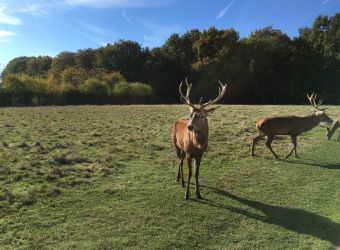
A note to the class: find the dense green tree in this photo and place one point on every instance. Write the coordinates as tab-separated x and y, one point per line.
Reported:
126	57
85	59
38	66
62	61
265	67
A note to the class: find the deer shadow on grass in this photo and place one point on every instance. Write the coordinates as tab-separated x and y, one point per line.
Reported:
314	163
293	219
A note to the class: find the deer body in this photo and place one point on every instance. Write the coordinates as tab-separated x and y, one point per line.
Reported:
190	137
288	125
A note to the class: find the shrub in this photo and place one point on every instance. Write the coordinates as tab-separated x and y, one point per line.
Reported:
95	87
113	78
74	76
133	92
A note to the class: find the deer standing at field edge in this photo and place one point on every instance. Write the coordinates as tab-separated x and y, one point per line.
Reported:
289	125
190	137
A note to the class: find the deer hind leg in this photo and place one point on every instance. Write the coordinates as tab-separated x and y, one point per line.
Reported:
180	171
269	145
339	137
294	141
256	139
189	161
197	173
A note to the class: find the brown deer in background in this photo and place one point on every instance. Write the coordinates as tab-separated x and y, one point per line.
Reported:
190	136
330	131
289	125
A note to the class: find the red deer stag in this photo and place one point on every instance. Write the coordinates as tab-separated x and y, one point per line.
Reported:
190	136
289	125
330	131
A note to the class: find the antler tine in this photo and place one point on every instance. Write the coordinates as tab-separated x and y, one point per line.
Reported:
221	90
312	98
185	99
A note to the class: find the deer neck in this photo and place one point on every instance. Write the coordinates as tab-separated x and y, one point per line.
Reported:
199	139
311	122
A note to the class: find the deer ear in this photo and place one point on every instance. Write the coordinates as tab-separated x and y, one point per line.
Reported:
211	110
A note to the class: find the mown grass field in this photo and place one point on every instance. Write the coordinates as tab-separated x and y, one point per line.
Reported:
104	178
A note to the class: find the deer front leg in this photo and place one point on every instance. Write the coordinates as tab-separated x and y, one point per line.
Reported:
269	145
256	139
180	171
294	141
189	160
339	137
197	173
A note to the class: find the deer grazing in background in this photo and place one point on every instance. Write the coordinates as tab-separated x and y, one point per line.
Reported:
289	125
190	136
330	131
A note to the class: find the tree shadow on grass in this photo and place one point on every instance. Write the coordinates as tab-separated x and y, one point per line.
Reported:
297	220
314	163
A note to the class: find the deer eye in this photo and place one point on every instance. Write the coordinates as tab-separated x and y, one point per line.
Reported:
190	115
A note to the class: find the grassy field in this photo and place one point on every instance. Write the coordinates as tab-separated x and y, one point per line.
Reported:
104	178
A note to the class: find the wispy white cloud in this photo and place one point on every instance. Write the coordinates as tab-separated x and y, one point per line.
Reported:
157	34
126	17
34	9
95	40
118	3
6	35
223	11
7	18
93	28
324	2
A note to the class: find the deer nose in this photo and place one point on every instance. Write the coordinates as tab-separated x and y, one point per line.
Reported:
190	127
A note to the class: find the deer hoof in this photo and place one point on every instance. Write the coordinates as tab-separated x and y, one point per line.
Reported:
198	196
186	196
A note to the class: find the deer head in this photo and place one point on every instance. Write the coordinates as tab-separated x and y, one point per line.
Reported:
320	113
198	115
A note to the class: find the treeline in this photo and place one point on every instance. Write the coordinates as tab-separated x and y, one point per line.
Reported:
267	67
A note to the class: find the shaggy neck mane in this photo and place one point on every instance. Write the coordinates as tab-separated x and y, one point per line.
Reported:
311	121
200	138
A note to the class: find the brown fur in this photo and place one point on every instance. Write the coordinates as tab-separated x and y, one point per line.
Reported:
287	125
191	145
190	137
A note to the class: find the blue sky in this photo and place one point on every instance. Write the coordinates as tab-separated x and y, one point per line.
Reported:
41	27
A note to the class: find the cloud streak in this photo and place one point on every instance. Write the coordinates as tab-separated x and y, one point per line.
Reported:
223	11
157	33
7	18
118	3
92	28
5	35
126	17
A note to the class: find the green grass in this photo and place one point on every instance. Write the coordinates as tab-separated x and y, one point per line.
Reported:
104	178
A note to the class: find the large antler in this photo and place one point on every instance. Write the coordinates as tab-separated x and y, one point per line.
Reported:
312	98
186	99
221	91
